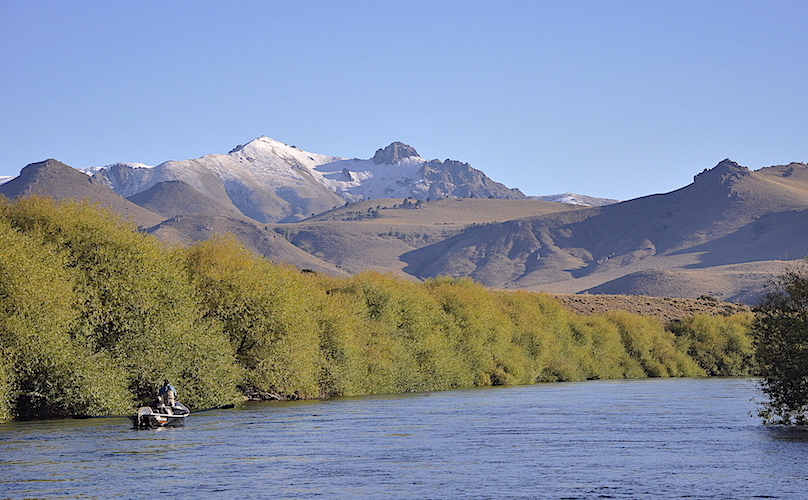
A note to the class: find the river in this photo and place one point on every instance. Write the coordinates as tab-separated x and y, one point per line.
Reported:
655	438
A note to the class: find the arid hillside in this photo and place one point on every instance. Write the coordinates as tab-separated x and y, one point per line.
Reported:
663	308
54	178
375	234
725	235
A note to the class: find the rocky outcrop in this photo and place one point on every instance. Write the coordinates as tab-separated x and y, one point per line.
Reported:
721	177
393	153
455	179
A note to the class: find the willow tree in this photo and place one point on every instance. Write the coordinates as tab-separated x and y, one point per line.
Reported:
264	310
45	371
133	299
780	331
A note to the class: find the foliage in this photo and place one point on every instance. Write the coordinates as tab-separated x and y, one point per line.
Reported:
722	346
780	333
647	342
133	304
262	308
47	373
95	314
402	337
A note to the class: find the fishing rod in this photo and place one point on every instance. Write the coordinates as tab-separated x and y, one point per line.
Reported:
228	406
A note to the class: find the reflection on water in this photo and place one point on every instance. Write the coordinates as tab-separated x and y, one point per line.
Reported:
658	438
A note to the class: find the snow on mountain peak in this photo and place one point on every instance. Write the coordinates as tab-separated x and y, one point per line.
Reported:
265	176
577	199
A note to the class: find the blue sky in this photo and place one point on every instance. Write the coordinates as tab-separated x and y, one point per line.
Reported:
616	99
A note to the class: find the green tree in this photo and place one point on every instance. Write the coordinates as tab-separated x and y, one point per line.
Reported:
264	310
133	299
720	345
780	331
46	372
653	347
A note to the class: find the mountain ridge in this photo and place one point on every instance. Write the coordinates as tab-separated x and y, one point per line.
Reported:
723	235
54	178
270	181
720	219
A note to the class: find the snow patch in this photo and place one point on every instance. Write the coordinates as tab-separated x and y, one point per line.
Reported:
576	199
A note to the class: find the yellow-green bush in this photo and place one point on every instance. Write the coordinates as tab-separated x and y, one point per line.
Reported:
653	347
132	300
345	337
601	352
94	314
407	336
481	335
720	345
262	308
46	372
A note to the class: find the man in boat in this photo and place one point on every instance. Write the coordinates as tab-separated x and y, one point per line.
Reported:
166	397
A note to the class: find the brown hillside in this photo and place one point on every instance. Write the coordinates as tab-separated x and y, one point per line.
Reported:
662	308
374	234
185	229
449	212
54	178
676	243
172	198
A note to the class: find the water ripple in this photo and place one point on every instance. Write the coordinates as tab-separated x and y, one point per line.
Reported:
661	438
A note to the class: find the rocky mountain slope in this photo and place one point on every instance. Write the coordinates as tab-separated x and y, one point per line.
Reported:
269	181
723	236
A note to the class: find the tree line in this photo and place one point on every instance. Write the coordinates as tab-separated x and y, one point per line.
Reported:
94	314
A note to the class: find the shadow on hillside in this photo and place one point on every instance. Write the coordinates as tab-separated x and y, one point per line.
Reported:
778	236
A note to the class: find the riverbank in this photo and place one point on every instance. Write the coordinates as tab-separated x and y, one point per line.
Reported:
99	314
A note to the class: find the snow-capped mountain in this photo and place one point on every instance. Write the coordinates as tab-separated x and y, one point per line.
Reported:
270	181
577	199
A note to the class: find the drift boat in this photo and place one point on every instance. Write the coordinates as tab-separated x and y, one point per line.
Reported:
153	418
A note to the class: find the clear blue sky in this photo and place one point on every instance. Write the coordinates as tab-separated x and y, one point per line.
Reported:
615	99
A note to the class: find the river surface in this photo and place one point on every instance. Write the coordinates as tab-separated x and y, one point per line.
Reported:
656	438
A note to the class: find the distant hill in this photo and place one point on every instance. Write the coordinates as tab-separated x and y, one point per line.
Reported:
665	309
684	243
724	235
577	199
54	178
375	234
172	198
184	229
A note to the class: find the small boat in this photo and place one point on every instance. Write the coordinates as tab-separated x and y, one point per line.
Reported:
153	418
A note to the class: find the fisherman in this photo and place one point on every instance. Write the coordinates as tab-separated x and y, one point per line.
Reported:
166	396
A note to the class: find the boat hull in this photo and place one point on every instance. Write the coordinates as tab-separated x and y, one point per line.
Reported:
149	418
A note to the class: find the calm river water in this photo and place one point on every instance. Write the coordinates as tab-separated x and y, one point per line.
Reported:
658	438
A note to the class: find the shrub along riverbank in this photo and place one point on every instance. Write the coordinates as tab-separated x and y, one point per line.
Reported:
94	314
